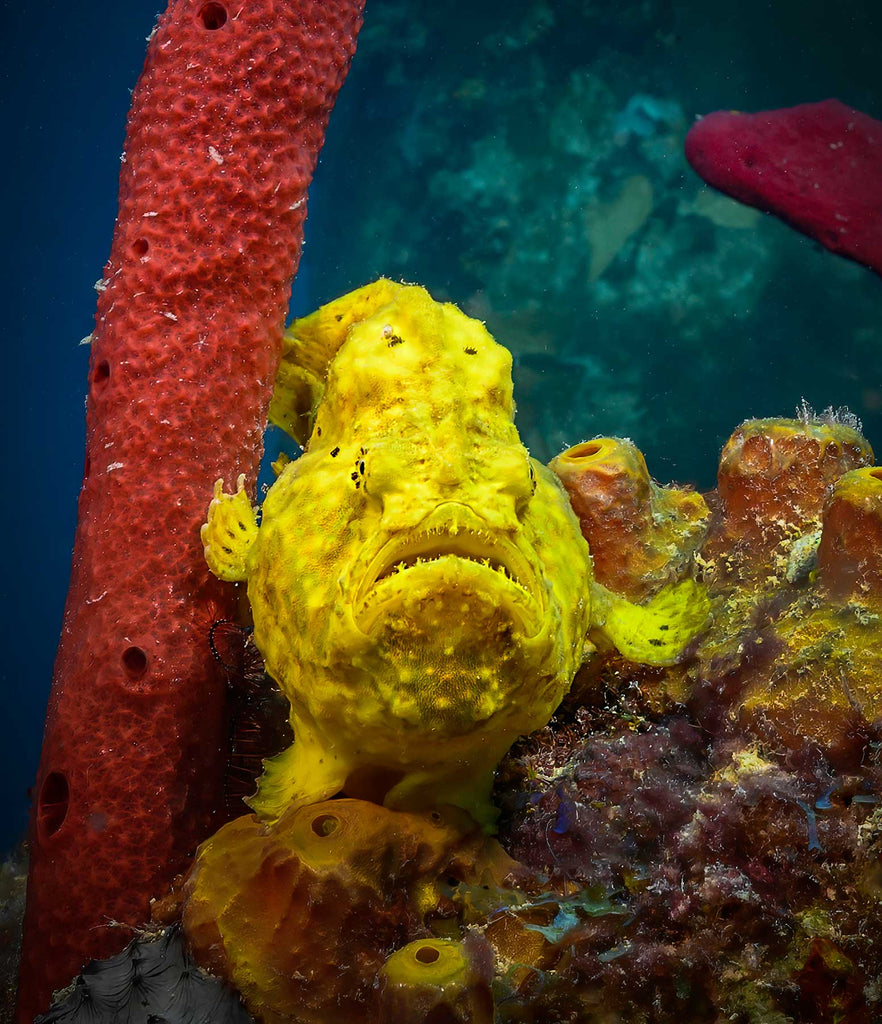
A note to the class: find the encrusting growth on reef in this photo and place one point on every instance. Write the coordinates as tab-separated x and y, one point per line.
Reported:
687	838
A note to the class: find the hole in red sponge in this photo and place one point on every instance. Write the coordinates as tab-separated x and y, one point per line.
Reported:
427	954
213	16
325	825
140	246
53	803
135	661
101	372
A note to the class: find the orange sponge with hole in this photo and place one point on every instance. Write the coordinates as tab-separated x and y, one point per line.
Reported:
301	915
641	536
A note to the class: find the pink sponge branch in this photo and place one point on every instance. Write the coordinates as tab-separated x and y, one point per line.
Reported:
818	166
226	124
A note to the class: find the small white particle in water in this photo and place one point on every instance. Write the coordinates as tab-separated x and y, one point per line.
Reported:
298	204
115	465
101	284
170	316
87	340
151	213
213	153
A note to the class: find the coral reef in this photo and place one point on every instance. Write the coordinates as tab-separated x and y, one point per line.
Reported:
683	842
727	809
187	338
818	166
726	885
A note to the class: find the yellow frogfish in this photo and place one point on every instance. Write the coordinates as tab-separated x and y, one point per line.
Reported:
420	588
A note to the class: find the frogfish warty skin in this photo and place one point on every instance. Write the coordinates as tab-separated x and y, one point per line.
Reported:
420	587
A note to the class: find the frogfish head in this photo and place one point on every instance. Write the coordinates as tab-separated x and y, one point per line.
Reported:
415	564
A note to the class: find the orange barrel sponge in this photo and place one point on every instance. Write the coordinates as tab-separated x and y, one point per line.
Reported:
850	552
438	980
301	915
641	535
775	475
226	124
783	661
822	688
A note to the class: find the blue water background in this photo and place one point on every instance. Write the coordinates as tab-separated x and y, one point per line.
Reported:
67	70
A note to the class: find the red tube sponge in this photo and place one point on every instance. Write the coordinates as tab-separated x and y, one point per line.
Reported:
817	166
226	124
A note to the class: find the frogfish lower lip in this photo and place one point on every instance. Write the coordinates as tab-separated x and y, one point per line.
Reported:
480	556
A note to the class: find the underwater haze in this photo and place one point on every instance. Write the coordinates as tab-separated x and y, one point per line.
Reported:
522	160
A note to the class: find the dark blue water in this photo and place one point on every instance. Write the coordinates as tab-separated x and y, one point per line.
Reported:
468	143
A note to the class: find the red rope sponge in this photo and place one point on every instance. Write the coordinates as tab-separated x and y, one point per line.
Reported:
817	166
226	124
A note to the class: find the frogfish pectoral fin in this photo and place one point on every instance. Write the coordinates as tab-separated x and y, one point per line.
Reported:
230	531
655	633
304	773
